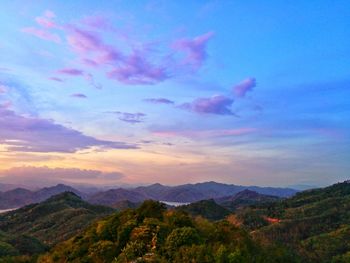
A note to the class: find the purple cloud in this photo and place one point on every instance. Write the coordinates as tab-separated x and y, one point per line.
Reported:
32	134
79	96
130	117
159	101
195	49
241	89
45	176
137	70
71	72
217	104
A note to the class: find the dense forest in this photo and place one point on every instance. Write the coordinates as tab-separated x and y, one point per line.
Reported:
311	226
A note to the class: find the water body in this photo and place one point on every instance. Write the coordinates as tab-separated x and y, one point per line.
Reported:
7	210
174	203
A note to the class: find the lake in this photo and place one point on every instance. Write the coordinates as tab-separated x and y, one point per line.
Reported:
174	203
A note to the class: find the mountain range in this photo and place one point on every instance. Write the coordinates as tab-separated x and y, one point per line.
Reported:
187	193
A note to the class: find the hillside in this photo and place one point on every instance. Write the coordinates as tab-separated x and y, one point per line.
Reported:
19	197
206	208
152	234
47	223
111	197
243	199
316	223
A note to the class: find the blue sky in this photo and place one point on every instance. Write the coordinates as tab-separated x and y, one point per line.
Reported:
174	92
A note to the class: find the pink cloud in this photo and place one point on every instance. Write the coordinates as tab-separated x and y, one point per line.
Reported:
43	34
206	133
217	104
46	20
83	41
241	89
71	71
195	49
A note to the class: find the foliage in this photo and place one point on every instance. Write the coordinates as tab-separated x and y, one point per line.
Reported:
152	234
314	223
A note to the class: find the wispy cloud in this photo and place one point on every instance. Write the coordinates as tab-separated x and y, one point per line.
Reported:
79	95
130	117
56	79
43	34
204	133
159	101
71	72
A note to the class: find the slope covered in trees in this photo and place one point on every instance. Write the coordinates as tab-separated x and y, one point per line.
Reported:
153	234
315	223
36	227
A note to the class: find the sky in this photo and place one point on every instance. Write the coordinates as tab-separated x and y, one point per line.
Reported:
138	92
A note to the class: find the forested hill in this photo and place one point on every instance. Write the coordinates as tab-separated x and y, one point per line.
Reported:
150	233
316	223
34	228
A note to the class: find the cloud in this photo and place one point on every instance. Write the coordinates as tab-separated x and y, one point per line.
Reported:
217	104
159	101
195	49
3	89
79	96
44	176
43	34
83	41
47	20
242	88
71	72
97	22
56	79
32	134
130	117
137	70
205	133
90	79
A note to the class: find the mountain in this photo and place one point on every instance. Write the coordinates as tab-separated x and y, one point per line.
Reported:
152	234
315	223
113	196
45	224
244	198
15	198
206	208
186	193
19	197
